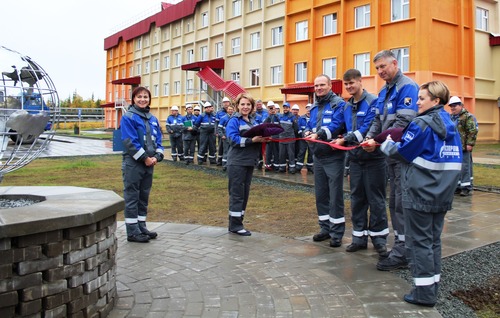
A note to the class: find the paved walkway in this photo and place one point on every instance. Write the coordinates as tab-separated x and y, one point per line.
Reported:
201	271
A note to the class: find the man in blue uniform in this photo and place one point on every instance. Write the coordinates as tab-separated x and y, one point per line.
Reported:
367	169
205	124
218	116
287	148
396	107
326	124
175	126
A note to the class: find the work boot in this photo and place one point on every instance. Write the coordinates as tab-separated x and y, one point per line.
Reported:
134	233
144	230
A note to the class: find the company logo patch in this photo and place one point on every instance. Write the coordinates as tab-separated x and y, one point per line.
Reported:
408	136
407	101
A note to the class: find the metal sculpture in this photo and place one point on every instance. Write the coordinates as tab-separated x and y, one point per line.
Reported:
29	110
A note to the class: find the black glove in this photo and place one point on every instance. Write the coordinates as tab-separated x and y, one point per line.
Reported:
350	139
158	156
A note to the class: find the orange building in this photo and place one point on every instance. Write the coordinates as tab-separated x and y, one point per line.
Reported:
433	40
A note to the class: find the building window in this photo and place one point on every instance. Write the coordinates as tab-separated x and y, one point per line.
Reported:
219	52
203	53
189	86
166	35
330	24
275	1
110	56
146	67
277	36
330	67
166	62
255	4
177	87
362	17
400	9
166	89
301	72
276	75
235	46
482	19
403	57
146	41
188	27
219	14
156	65
155	90
138	43
155	37
177	59
124	74
254	41
236	8
204	19
204	86
301	31
139	69
235	77
131	70
254	77
190	56
362	63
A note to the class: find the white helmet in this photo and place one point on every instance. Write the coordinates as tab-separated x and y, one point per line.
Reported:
225	99
207	104
295	106
175	108
196	107
276	105
270	103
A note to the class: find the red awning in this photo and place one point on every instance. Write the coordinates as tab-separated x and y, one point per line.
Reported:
136	80
217	64
494	39
112	104
308	88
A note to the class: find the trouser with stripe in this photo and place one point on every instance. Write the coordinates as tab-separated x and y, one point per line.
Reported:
239	180
137	183
329	192
368	181
423	248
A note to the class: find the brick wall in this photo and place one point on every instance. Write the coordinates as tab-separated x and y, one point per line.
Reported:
63	273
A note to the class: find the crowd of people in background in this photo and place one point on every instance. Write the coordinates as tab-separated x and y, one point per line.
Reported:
402	137
205	133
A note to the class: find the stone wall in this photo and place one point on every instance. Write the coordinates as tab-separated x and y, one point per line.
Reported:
62	263
62	273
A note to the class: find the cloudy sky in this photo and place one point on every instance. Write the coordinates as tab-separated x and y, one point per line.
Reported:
66	38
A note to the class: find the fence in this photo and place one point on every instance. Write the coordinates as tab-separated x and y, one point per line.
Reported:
70	115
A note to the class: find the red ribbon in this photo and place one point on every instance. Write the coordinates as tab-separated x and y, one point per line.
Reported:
333	145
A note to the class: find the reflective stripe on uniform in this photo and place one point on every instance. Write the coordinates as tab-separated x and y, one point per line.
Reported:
424	281
379	233
337	221
130	220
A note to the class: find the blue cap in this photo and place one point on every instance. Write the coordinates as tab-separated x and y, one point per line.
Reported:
286	104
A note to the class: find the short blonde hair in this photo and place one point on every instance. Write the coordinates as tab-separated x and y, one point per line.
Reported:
437	89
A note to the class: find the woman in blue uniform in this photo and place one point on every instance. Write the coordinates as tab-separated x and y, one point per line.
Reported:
242	158
141	137
430	150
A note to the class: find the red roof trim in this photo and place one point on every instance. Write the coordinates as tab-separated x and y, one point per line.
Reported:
217	64
169	14
136	80
308	88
